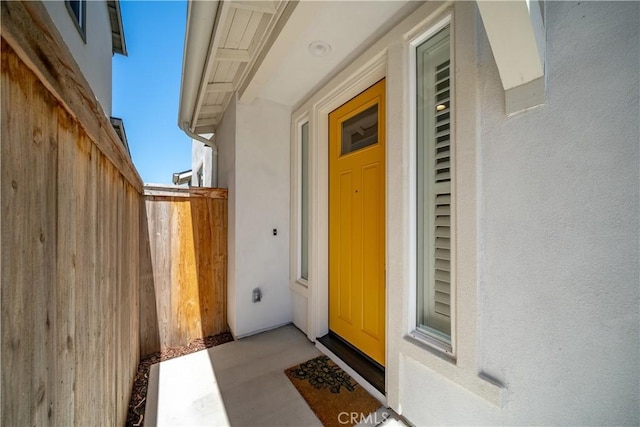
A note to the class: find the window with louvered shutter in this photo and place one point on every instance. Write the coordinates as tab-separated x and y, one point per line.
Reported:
434	168
304	201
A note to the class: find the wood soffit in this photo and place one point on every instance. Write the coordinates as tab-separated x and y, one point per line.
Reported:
242	32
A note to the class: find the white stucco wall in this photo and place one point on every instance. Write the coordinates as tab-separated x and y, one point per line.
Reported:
253	162
559	292
262	204
94	56
226	142
558	249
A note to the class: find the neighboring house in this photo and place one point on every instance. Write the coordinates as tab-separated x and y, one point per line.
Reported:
450	187
203	166
203	163
93	32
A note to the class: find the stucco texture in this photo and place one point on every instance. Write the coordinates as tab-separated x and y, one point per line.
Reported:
253	163
262	205
559	250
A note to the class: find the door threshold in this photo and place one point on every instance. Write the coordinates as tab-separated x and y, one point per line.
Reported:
369	374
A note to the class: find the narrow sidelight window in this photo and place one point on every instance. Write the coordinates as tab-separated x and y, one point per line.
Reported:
304	201
434	171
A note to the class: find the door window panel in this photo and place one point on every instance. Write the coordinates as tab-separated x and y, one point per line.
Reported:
360	131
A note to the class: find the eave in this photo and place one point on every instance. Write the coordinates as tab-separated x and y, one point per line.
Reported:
117	29
224	42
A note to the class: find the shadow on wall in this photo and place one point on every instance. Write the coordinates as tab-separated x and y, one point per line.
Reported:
149	325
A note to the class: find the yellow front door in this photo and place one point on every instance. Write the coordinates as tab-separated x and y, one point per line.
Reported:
357	222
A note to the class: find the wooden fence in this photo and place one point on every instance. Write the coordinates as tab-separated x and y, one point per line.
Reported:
79	271
183	292
70	225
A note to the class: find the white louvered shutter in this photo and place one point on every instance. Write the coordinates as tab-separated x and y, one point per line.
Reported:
441	231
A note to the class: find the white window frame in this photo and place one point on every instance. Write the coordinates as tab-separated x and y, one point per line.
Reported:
461	365
299	283
422	336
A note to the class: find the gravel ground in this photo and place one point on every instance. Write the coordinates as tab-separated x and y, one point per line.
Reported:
135	416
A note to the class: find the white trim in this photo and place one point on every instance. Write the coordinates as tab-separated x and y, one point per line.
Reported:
259	331
300	288
463	370
363	78
296	201
297	284
423	36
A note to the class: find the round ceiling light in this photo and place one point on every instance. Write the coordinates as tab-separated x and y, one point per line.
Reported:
319	48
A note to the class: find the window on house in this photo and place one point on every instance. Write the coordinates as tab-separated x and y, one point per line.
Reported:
434	198
304	201
78	11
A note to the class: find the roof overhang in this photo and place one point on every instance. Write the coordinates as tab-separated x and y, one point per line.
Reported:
117	29
247	49
118	126
224	42
201	18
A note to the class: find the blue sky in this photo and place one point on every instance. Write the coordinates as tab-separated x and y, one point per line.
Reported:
146	87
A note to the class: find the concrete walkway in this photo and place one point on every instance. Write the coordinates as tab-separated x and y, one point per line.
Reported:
241	383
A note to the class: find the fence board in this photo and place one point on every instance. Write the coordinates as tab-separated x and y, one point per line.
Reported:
188	249
66	278
88	322
149	319
104	277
